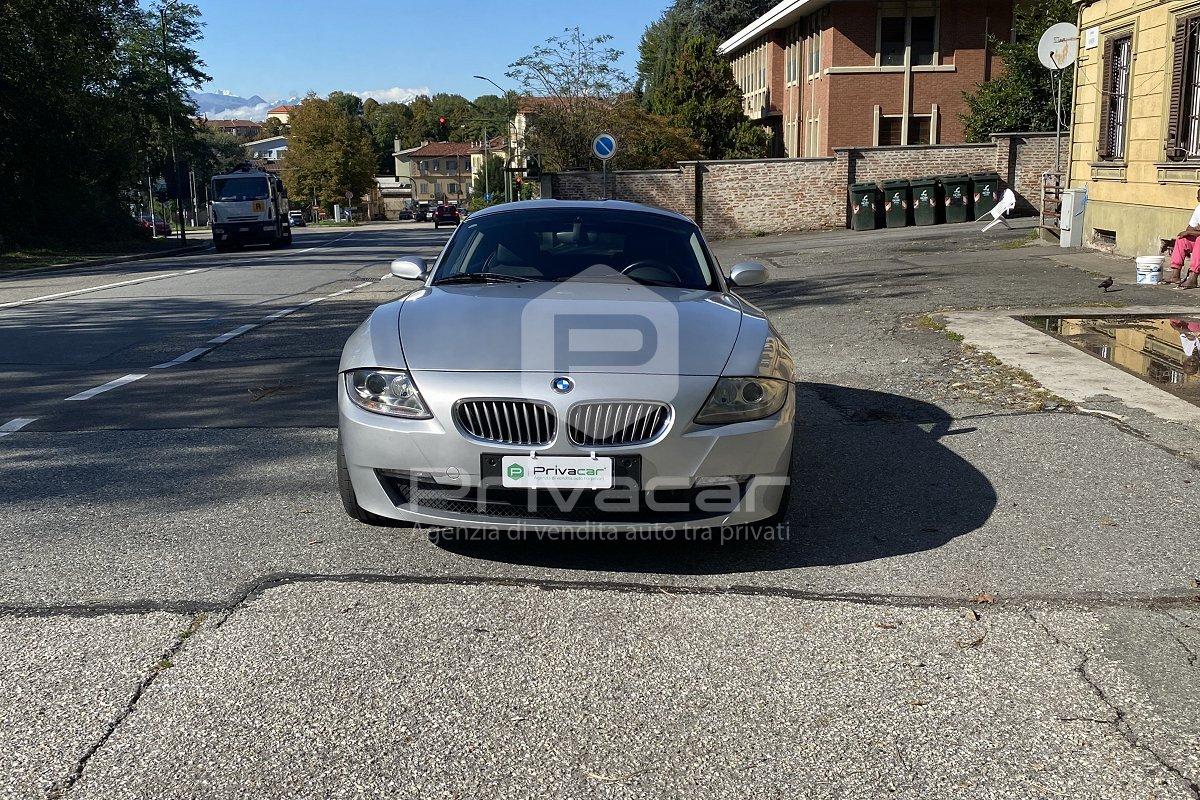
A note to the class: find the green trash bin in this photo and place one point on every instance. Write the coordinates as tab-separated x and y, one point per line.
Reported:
927	201
986	192
864	206
957	193
897	202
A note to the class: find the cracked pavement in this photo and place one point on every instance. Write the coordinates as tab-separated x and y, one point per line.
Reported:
975	598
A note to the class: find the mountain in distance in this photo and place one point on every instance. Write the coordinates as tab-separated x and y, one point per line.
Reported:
223	104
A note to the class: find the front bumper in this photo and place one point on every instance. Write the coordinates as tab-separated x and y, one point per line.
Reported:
427	471
246	232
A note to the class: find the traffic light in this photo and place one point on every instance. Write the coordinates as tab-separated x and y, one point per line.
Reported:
442	128
533	167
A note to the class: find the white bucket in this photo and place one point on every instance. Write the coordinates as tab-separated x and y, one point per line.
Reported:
1149	277
1150	264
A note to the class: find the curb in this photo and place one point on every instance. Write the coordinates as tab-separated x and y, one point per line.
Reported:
102	262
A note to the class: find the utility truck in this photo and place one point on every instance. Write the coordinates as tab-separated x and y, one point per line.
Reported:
248	206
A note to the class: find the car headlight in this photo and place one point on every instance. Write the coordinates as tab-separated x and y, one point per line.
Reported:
743	399
386	391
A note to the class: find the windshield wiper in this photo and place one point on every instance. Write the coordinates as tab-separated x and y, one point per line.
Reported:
482	277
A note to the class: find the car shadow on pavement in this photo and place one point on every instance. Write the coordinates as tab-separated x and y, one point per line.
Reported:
873	478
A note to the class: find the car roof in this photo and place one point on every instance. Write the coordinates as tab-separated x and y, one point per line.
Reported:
609	205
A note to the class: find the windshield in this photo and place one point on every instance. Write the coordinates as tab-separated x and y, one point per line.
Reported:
234	189
588	244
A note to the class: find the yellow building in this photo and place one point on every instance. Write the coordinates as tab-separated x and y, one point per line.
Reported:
1135	135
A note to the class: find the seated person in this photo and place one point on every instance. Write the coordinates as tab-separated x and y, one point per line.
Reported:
1185	245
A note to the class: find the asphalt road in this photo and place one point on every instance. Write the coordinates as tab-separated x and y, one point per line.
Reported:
974	599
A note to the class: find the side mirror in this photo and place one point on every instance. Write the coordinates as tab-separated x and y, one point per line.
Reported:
410	268
747	273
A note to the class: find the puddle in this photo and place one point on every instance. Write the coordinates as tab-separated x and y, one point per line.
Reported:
1164	351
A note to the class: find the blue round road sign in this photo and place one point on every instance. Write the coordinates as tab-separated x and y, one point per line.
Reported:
604	146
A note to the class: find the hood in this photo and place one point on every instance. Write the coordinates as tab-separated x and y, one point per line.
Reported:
572	327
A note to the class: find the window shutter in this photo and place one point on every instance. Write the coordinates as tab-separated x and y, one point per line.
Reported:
1175	120
1104	147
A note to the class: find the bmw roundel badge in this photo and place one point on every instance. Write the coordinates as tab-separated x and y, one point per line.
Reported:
562	384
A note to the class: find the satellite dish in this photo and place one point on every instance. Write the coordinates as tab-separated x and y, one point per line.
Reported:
1059	46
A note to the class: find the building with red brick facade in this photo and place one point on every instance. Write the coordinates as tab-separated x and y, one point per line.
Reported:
827	74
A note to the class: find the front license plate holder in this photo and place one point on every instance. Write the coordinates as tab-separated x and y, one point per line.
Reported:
626	470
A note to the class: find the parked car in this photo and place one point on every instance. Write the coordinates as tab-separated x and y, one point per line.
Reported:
499	433
405	214
420	214
296	219
153	224
445	215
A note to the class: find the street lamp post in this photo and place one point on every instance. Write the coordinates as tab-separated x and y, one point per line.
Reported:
507	142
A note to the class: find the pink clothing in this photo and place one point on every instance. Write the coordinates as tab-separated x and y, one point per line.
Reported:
1186	246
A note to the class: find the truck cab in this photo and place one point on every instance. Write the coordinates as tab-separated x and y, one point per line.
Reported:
248	206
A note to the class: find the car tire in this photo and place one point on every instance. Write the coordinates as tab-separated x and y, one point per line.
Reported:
350	501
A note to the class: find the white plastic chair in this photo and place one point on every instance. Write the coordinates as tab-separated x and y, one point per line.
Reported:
1005	207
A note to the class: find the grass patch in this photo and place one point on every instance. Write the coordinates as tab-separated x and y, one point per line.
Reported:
929	323
1028	238
35	257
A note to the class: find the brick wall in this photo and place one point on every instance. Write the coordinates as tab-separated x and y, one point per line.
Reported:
884	163
740	198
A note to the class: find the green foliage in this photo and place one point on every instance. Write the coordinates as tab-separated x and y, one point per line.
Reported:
701	94
492	183
1023	97
329	153
664	39
349	104
584	92
273	127
388	122
89	99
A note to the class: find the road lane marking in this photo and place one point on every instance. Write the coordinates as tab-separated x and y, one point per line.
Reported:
113	384
282	313
14	425
190	355
233	334
75	292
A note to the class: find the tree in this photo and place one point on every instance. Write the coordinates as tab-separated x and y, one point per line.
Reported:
649	141
581	91
349	104
274	127
329	153
701	94
1023	97
684	19
388	122
89	100
492	184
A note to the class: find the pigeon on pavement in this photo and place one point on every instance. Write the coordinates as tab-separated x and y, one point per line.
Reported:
1107	282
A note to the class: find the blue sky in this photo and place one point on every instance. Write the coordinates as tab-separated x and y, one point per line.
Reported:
282	49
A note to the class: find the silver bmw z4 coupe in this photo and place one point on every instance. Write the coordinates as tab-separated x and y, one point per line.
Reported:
568	366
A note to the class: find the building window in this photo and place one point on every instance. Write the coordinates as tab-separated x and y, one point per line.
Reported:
814	137
814	52
891	131
913	34
1183	136
424	187
920	130
923	36
1114	102
891	41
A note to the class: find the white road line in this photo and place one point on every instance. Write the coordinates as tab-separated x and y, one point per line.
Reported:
14	425
312	300
282	313
114	384
233	334
342	292
190	355
361	285
75	292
